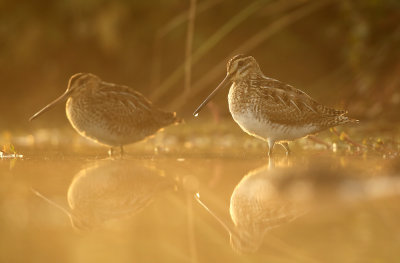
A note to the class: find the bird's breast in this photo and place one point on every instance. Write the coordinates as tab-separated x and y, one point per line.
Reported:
243	108
90	123
81	117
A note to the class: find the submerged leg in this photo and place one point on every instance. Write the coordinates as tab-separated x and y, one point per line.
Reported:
122	150
111	152
271	144
271	162
286	146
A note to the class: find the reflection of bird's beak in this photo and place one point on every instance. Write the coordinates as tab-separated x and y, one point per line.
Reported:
64	210
62	98
223	83
223	224
75	221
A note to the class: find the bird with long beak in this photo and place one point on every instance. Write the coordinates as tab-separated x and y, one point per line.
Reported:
271	110
109	114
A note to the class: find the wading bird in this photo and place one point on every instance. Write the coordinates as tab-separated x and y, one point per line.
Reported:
109	114
271	110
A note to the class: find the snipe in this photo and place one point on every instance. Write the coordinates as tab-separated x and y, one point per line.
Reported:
271	110
109	114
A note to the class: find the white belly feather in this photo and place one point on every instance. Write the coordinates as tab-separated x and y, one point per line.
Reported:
264	129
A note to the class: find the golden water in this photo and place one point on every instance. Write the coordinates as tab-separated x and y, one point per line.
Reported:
74	204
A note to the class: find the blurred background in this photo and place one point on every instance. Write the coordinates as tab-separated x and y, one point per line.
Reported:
343	53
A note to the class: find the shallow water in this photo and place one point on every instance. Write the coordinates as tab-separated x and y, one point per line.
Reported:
75	204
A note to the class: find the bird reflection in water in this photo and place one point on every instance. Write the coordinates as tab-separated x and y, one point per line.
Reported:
278	193
111	189
256	206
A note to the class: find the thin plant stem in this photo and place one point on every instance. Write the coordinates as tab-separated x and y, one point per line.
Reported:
164	31
315	139
189	45
210	43
345	137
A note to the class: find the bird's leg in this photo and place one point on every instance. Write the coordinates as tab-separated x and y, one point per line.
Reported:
271	162
271	144
286	146
111	152
122	150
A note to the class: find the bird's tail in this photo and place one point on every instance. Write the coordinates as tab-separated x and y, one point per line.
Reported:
342	119
351	120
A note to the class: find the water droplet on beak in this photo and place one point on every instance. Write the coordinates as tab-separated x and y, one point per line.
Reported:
196	115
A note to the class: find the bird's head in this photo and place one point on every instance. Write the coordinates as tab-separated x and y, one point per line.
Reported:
80	81
238	67
77	83
241	66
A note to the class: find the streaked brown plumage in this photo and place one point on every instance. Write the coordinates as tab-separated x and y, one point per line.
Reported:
258	205
113	189
110	114
271	110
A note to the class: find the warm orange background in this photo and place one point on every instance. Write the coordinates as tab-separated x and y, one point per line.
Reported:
343	53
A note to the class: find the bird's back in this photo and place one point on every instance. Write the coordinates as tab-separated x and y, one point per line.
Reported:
283	104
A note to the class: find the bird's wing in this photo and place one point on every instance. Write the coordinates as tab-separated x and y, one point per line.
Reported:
126	95
282	103
124	105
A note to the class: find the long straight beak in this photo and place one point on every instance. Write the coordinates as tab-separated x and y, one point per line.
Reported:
212	95
62	98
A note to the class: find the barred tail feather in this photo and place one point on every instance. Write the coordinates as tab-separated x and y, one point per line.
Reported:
330	111
341	119
350	120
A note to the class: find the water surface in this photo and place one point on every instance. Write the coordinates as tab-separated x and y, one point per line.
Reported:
75	204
